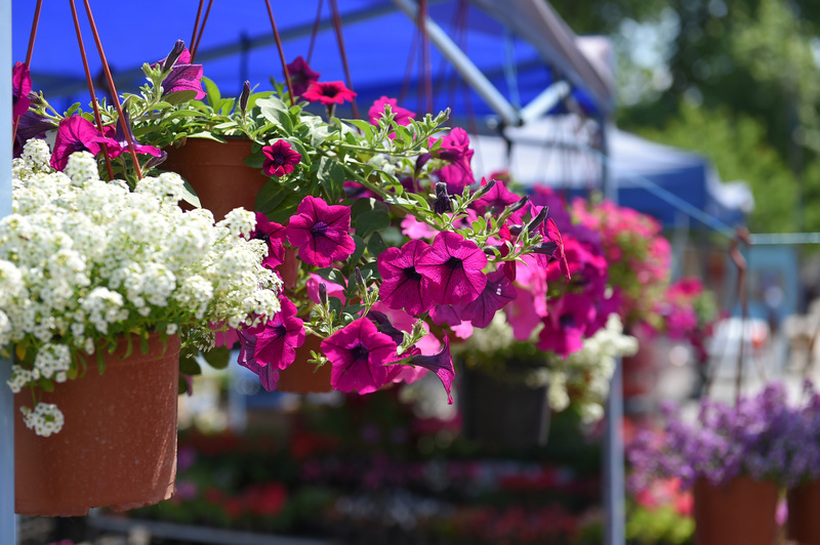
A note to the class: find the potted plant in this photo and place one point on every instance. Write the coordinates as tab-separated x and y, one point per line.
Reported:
105	293
371	225
735	458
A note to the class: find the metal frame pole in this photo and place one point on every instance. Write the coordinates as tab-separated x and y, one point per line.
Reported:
8	524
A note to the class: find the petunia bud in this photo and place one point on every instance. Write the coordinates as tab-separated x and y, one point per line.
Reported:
442	203
520	204
357	275
323	293
516	230
546	248
484	189
172	57
243	98
538	220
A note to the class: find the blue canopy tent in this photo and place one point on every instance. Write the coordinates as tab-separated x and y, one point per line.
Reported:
508	53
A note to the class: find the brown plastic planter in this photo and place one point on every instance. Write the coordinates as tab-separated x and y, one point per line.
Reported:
741	512
118	446
217	172
804	514
299	377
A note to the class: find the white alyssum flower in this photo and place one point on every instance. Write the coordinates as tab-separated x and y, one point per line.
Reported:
45	419
82	260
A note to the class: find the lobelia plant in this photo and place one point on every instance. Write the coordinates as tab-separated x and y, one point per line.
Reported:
84	263
763	436
377	228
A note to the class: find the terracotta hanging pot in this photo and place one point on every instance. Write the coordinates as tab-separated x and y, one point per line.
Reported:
218	173
118	446
804	513
299	377
741	512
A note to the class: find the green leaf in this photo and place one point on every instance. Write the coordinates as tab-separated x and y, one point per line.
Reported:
332	275
278	203
332	177
46	385
189	366
371	222
178	97
218	357
226	107
211	92
182	388
376	245
275	111
357	254
255	160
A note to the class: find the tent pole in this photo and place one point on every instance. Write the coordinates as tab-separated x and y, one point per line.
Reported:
465	67
8	524
613	485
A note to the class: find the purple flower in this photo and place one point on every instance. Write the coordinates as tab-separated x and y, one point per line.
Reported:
301	76
268	374
273	235
358	353
280	159
455	148
321	232
276	344
184	76
76	134
496	294
328	92
454	267
20	89
441	364
119	143
402	286
566	324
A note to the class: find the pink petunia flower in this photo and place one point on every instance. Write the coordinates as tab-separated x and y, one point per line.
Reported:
273	235
321	232
184	76
441	365
496	294
268	374
276	344
119	142
402	286
358	353
454	267
401	115
567	324
496	199
20	89
328	92
76	133
301	76
280	159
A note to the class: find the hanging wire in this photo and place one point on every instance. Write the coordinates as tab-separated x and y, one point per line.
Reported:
90	81
281	52
196	25
114	95
195	44
315	30
337	25
29	52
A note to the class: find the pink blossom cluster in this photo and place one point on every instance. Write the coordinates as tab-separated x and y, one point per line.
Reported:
639	256
689	313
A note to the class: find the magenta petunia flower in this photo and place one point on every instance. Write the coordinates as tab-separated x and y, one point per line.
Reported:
76	134
328	92
441	364
496	294
301	76
280	159
321	232
567	324
402	286
184	76
454	267
119	143
276	344
455	148
496	199
268	374
20	89
359	354
273	235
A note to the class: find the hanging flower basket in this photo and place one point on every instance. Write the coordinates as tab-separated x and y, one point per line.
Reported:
118	445
740	512
804	505
217	172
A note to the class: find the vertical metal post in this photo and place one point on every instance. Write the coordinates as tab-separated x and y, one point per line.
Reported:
613	474
8	523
